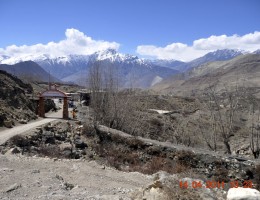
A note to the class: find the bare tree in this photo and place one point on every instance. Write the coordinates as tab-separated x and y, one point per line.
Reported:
255	130
223	109
95	84
112	107
208	130
179	132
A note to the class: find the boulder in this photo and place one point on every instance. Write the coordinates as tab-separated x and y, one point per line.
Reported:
60	136
76	155
79	144
48	137
65	147
47	134
2	118
165	186
23	121
8	123
243	194
149	193
67	153
14	150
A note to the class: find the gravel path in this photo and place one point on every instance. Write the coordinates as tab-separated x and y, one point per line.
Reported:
8	133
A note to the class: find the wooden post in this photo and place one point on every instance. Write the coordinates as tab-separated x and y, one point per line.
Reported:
41	107
65	108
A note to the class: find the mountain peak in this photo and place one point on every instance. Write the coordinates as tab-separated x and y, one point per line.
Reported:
227	52
114	56
111	51
107	52
222	54
256	51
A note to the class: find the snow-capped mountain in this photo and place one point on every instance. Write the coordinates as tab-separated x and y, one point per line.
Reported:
113	56
257	51
13	60
219	55
131	69
224	54
63	66
74	68
54	65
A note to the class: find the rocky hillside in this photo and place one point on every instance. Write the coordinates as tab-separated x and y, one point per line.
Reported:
28	70
14	105
242	70
219	55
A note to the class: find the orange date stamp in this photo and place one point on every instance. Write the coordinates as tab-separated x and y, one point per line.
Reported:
215	184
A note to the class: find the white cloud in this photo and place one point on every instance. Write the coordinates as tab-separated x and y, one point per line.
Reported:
75	42
180	51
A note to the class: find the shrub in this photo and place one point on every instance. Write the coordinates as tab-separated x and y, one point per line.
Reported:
186	158
156	122
19	141
221	174
135	143
156	164
88	129
180	168
163	164
2	118
50	151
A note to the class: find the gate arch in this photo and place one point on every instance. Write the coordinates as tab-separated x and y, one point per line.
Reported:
53	93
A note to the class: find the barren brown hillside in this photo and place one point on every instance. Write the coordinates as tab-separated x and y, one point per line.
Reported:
242	71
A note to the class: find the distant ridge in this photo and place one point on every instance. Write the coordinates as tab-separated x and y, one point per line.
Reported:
243	70
28	70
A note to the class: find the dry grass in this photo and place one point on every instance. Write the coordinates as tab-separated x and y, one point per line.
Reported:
130	156
88	129
221	173
50	151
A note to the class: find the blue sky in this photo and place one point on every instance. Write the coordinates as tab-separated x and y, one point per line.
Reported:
142	27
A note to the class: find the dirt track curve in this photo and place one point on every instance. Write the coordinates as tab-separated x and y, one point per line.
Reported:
8	133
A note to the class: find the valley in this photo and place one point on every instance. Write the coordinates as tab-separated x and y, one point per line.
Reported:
147	126
129	100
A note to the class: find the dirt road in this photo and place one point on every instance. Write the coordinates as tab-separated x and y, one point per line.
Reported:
43	178
24	177
8	133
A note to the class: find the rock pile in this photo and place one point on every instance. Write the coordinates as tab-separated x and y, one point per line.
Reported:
61	140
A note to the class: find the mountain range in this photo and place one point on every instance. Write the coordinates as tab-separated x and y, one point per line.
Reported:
29	71
241	71
133	71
